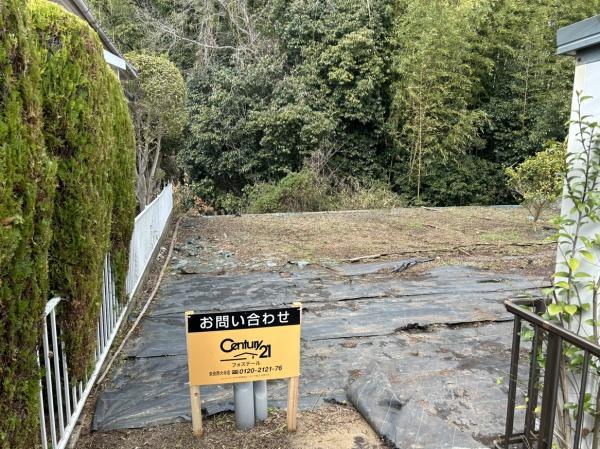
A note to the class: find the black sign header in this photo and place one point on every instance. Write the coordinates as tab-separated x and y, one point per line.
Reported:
250	319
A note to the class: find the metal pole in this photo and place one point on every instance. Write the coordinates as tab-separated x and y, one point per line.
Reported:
261	412
534	375
512	382
551	381
243	397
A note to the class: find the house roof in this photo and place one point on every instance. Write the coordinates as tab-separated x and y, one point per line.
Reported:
579	36
111	53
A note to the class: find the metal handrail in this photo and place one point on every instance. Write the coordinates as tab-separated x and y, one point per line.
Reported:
515	306
541	436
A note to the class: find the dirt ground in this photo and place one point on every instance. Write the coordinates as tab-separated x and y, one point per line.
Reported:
501	239
330	427
498	238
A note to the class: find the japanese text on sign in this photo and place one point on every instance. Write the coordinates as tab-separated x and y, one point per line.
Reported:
242	320
243	346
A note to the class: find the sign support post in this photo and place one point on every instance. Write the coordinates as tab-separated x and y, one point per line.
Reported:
292	404
261	411
243	396
245	348
196	410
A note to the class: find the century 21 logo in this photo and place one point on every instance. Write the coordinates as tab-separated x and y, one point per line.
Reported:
252	349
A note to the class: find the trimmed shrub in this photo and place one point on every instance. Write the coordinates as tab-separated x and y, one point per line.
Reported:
86	129
158	108
122	181
26	186
67	158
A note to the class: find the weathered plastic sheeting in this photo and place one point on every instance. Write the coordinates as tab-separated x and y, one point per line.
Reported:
453	374
403	422
448	389
153	391
165	335
334	307
452	370
202	293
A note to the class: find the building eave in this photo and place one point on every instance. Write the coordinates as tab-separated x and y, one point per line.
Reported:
579	36
112	55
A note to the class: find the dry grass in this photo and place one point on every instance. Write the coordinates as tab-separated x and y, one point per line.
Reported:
479	236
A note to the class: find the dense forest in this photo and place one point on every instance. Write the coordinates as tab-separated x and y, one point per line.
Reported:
434	98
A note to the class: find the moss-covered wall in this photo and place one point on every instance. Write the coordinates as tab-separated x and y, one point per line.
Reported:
26	186
67	179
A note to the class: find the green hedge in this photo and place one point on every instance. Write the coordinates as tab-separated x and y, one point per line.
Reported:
123	179
26	186
86	128
67	164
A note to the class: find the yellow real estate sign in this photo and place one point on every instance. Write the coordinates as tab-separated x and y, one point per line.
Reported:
243	346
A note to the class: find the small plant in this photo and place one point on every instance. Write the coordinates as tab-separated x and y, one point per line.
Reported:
374	195
303	191
309	191
229	204
539	179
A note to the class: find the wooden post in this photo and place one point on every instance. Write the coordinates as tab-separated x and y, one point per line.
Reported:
196	410
292	405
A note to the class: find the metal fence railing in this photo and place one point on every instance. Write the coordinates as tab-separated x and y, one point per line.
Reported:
149	227
61	399
546	375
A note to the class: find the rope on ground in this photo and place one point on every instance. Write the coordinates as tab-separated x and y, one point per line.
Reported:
146	305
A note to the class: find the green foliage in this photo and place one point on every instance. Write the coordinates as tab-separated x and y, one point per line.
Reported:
158	108
434	113
255	121
527	94
307	191
468	180
66	188
225	123
229	204
539	179
159	95
297	192
393	90
86	129
122	180
26	188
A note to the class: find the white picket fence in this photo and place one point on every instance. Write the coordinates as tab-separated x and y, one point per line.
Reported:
61	401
